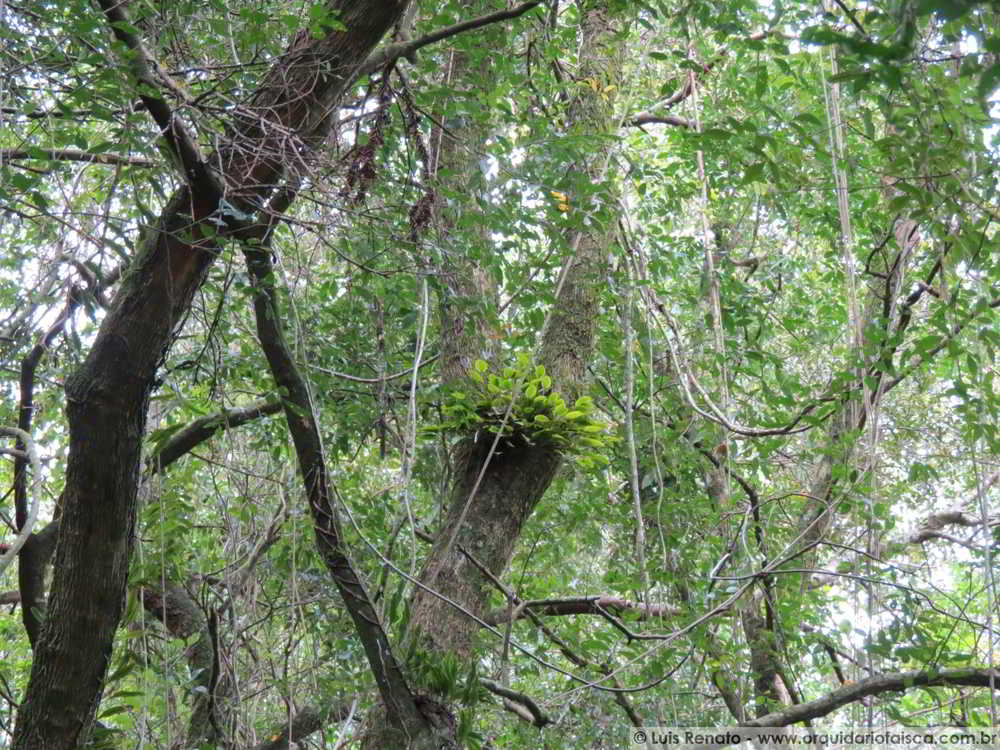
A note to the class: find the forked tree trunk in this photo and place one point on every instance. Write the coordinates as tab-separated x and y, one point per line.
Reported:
106	398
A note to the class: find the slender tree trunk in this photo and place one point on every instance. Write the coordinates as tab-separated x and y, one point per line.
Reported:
878	317
468	297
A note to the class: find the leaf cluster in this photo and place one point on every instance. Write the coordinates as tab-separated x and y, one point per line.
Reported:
519	404
445	675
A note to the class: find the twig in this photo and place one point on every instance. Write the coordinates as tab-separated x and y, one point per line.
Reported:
36	481
72	154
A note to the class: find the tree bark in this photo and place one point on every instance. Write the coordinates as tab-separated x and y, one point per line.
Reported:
489	506
182	618
108	395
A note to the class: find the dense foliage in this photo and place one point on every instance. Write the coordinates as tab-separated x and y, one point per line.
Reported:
716	282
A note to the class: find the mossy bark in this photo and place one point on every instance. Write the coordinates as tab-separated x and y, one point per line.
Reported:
495	492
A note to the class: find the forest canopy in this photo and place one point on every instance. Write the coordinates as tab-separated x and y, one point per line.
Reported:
491	374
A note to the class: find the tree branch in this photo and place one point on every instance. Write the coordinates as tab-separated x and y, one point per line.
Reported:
305	722
34	556
203	429
402	709
24	529
647	118
932	527
184	619
72	154
392	52
151	78
535	715
883	683
108	393
682	93
583	605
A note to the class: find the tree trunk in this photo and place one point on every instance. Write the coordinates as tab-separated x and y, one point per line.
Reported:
486	513
878	317
108	395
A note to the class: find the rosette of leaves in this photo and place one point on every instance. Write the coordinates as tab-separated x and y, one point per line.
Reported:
518	403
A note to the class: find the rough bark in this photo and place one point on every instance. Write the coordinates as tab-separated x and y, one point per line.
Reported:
513	483
183	618
409	724
765	659
108	394
495	494
38	549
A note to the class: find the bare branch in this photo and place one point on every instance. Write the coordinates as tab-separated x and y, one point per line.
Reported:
647	118
932	527
583	605
686	89
392	52
884	683
356	379
184	619
71	154
854	20
535	714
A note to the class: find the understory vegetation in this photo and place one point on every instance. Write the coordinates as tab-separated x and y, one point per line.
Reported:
496	375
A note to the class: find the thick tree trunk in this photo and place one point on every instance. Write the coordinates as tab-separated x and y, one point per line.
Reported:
494	493
106	406
107	396
489	506
515	479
